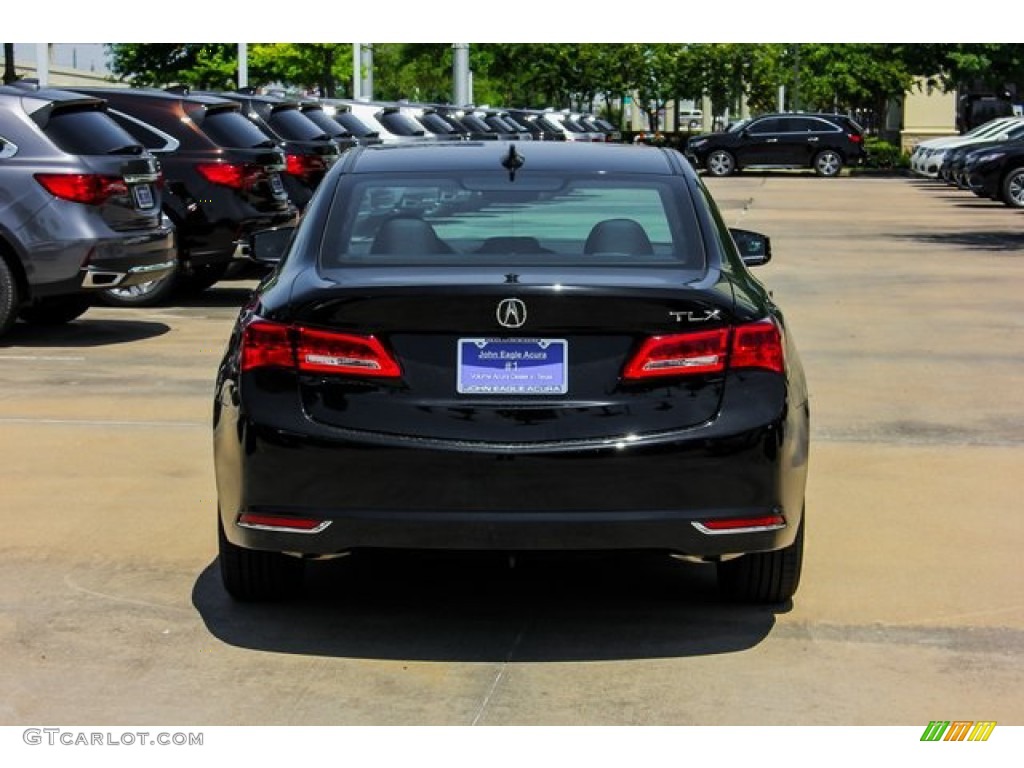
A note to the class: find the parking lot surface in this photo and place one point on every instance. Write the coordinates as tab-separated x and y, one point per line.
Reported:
905	299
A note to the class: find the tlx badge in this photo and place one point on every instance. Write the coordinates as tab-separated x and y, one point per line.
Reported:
701	316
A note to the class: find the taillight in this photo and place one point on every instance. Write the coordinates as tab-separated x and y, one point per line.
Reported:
304	165
758	345
309	350
234	175
754	345
87	188
856	138
680	353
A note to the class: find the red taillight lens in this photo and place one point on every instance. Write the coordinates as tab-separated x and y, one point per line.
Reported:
304	165
267	345
234	175
680	354
327	352
856	138
758	345
273	345
87	188
755	345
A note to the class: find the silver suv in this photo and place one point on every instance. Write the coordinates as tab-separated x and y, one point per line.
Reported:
79	206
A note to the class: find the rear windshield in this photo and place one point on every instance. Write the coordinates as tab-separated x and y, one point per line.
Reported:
354	124
327	124
487	219
399	124
228	128
90	132
292	125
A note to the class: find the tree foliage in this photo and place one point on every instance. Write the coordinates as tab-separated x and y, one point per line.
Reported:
847	76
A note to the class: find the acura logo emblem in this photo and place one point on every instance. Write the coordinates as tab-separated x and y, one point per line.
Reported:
511	313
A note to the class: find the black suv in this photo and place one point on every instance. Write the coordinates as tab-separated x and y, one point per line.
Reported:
822	142
80	206
309	150
223	181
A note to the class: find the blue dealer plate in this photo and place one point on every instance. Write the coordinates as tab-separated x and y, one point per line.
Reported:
513	367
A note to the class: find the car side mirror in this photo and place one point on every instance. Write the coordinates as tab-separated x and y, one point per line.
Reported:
755	249
268	246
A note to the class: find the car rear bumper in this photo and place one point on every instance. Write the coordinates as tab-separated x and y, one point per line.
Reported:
110	262
631	494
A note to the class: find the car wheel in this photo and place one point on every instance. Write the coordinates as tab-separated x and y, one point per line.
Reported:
8	297
764	577
202	277
721	163
142	295
252	575
55	311
828	163
1013	188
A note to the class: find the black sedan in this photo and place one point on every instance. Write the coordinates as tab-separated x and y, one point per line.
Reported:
511	347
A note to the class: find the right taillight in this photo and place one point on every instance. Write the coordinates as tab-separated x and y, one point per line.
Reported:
87	188
266	344
752	345
758	345
234	175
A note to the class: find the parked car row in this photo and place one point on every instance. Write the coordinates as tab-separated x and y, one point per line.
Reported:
202	169
822	142
81	207
988	161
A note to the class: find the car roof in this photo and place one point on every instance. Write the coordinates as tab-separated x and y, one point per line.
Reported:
535	156
155	94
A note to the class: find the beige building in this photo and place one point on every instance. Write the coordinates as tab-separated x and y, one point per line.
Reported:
921	114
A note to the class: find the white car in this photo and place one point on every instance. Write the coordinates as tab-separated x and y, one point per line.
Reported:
926	159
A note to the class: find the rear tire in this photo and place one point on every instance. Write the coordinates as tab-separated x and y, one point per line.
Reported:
202	278
150	294
55	311
764	577
8	297
252	575
1013	188
828	163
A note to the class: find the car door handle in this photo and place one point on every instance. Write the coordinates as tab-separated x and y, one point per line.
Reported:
813	138
771	141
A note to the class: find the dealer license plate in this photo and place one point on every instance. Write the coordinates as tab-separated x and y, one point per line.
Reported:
276	185
513	367
143	194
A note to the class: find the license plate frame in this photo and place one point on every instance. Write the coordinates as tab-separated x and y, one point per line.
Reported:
142	195
516	367
276	185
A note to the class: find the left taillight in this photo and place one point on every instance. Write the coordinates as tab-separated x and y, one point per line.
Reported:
267	344
86	188
304	166
752	345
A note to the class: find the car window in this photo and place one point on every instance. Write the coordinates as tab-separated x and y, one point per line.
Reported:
327	124
767	125
353	124
810	125
228	128
291	124
89	132
7	148
399	124
150	137
491	219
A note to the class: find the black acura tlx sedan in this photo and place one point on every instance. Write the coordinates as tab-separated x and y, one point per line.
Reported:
512	347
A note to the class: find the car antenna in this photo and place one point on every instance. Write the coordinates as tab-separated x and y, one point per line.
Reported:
513	161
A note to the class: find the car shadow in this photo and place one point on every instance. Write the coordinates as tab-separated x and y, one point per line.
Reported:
220	295
83	332
1008	241
477	608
